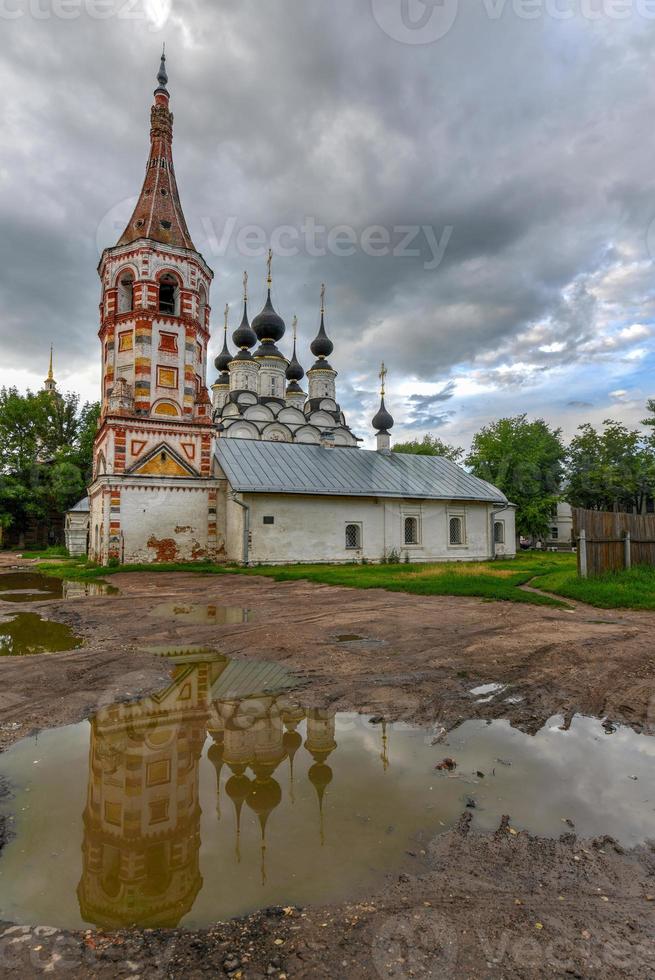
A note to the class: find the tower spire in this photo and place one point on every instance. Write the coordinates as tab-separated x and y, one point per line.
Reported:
383	420
158	214
50	374
50	384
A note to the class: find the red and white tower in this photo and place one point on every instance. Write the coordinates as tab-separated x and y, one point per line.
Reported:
153	497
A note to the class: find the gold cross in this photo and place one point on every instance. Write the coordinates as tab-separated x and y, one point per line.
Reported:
323	297
295	327
245	286
270	266
383	376
227	313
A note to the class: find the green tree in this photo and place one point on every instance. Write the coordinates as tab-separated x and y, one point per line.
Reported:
46	445
430	445
613	469
526	461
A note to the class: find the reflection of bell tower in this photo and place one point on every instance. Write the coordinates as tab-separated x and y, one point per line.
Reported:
142	818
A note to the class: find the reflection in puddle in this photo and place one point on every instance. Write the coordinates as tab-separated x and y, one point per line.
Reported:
28	633
202	614
35	587
216	796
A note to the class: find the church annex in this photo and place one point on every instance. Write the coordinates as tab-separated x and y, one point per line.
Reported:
260	470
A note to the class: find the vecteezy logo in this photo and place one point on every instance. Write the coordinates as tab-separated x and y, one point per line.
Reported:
417	943
415	21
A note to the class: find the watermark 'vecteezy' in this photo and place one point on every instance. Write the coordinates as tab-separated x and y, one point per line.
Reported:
415	21
318	241
154	12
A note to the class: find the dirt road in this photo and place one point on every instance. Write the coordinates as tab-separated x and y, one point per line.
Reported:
486	906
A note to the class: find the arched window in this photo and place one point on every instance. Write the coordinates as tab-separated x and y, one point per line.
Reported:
353	536
202	305
167	295
456	531
126	292
499	532
411	530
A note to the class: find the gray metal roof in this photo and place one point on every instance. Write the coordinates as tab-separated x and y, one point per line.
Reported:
81	505
252	466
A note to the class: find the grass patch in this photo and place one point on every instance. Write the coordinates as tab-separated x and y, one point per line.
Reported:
633	589
490	581
54	551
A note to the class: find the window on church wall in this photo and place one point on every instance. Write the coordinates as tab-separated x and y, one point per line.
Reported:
456	531
202	304
411	530
168	295
125	341
167	377
199	353
168	343
353	536
126	293
499	532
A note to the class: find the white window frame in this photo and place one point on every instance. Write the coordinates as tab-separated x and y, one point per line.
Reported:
504	536
461	515
360	535
413	515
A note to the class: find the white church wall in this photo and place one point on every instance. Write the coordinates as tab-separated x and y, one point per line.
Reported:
313	529
164	524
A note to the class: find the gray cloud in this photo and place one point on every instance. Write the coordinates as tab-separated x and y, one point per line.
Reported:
532	140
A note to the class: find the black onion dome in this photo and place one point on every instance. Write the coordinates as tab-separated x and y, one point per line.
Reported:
322	346
222	361
322	365
383	420
294	387
244	336
224	379
268	325
268	349
295	370
243	355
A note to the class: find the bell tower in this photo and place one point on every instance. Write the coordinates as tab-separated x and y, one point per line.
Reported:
154	441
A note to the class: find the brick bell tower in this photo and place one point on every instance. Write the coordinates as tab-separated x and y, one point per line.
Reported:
153	497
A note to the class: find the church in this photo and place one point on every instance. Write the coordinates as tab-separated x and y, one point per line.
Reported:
257	469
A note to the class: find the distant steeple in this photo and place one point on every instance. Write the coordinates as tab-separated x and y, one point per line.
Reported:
158	214
222	362
322	346
244	336
50	384
268	325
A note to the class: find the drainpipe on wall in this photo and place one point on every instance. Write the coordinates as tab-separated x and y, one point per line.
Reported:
246	525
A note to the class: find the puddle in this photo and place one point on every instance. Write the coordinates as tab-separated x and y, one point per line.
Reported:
201	614
35	587
216	797
349	638
28	633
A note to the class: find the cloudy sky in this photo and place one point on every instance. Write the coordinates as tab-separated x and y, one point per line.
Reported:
474	181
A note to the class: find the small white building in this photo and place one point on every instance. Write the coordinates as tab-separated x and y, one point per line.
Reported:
76	529
300	503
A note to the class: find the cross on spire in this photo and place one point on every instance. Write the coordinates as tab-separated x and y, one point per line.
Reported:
294	324
383	378
227	313
322	297
245	287
269	263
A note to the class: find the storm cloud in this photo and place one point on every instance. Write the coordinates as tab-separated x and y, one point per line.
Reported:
480	206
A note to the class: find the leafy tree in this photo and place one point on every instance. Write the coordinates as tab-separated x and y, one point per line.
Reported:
430	445
526	461
613	469
46	446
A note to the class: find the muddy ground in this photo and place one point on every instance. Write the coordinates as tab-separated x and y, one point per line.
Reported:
484	906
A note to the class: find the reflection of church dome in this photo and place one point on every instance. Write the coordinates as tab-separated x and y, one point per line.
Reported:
320	776
291	742
263	798
216	757
237	788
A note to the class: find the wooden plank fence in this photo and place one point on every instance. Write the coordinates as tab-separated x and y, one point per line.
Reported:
611	542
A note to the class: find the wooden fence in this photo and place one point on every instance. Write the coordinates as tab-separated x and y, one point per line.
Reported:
609	542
